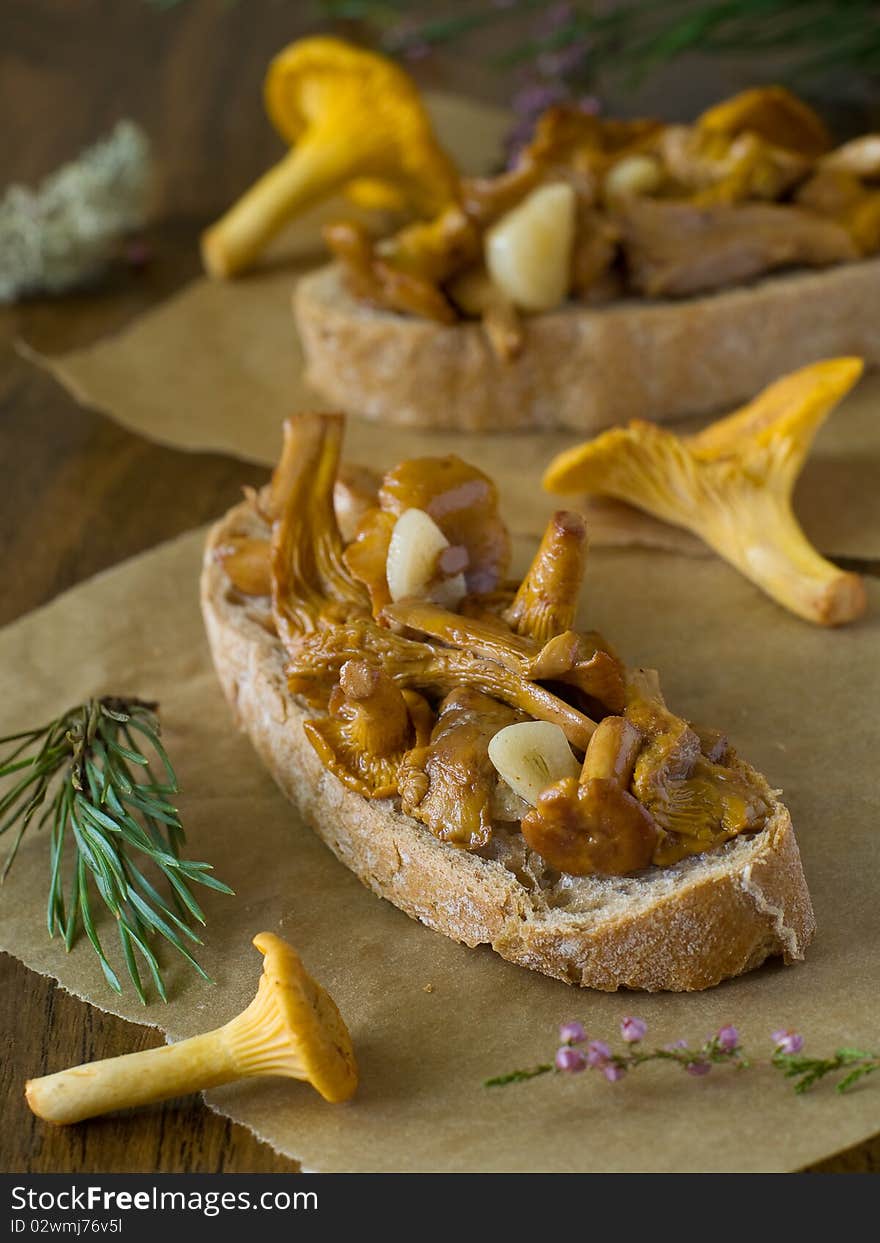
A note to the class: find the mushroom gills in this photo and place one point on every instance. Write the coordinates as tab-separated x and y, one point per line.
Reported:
291	1028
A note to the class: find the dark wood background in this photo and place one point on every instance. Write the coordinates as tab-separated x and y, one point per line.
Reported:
78	494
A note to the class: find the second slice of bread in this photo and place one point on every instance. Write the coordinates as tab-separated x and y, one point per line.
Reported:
584	368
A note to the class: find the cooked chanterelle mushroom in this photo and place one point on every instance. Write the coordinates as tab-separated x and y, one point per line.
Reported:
479	704
594	209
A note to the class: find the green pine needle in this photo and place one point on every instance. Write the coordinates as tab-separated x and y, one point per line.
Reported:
108	816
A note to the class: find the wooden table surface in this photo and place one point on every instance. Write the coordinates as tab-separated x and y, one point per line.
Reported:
79	494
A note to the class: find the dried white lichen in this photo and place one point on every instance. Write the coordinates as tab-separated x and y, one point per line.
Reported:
62	234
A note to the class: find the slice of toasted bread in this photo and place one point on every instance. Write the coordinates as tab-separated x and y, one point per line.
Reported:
580	367
679	928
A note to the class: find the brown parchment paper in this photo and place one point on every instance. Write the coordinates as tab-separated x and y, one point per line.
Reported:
218	366
799	702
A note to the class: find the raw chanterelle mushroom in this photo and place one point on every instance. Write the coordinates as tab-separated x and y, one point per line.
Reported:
732	485
291	1028
355	122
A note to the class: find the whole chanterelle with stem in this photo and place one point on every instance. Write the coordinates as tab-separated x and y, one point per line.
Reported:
732	485
355	122
592	823
291	1028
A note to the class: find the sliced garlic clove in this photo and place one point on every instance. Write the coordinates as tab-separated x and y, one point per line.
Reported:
634	174
528	251
411	566
532	755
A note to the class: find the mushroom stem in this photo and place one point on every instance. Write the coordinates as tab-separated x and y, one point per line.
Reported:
757	532
479	636
355	123
134	1079
433	671
309	576
291	1028
612	753
308	173
569	657
547	600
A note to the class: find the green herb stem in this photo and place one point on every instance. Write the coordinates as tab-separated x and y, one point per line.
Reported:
110	816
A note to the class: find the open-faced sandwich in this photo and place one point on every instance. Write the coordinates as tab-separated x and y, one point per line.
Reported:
619	269
468	751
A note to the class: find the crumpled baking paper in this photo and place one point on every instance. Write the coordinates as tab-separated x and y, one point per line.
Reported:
432	1019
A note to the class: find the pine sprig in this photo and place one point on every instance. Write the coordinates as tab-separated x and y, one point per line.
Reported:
110	816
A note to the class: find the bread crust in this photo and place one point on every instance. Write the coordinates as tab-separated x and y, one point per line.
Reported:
584	368
681	929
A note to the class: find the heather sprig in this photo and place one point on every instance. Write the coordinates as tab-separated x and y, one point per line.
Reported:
90	775
806	1071
578	1052
634	38
554	53
630	38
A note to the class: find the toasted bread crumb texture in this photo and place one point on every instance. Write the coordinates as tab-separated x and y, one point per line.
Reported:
680	928
584	368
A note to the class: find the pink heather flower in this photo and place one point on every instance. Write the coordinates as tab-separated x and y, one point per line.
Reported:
698	1068
570	1060
535	97
676	1044
598	1053
418	49
563	63
728	1038
787	1041
517	138
572	1033
612	1073
137	253
560	15
633	1030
